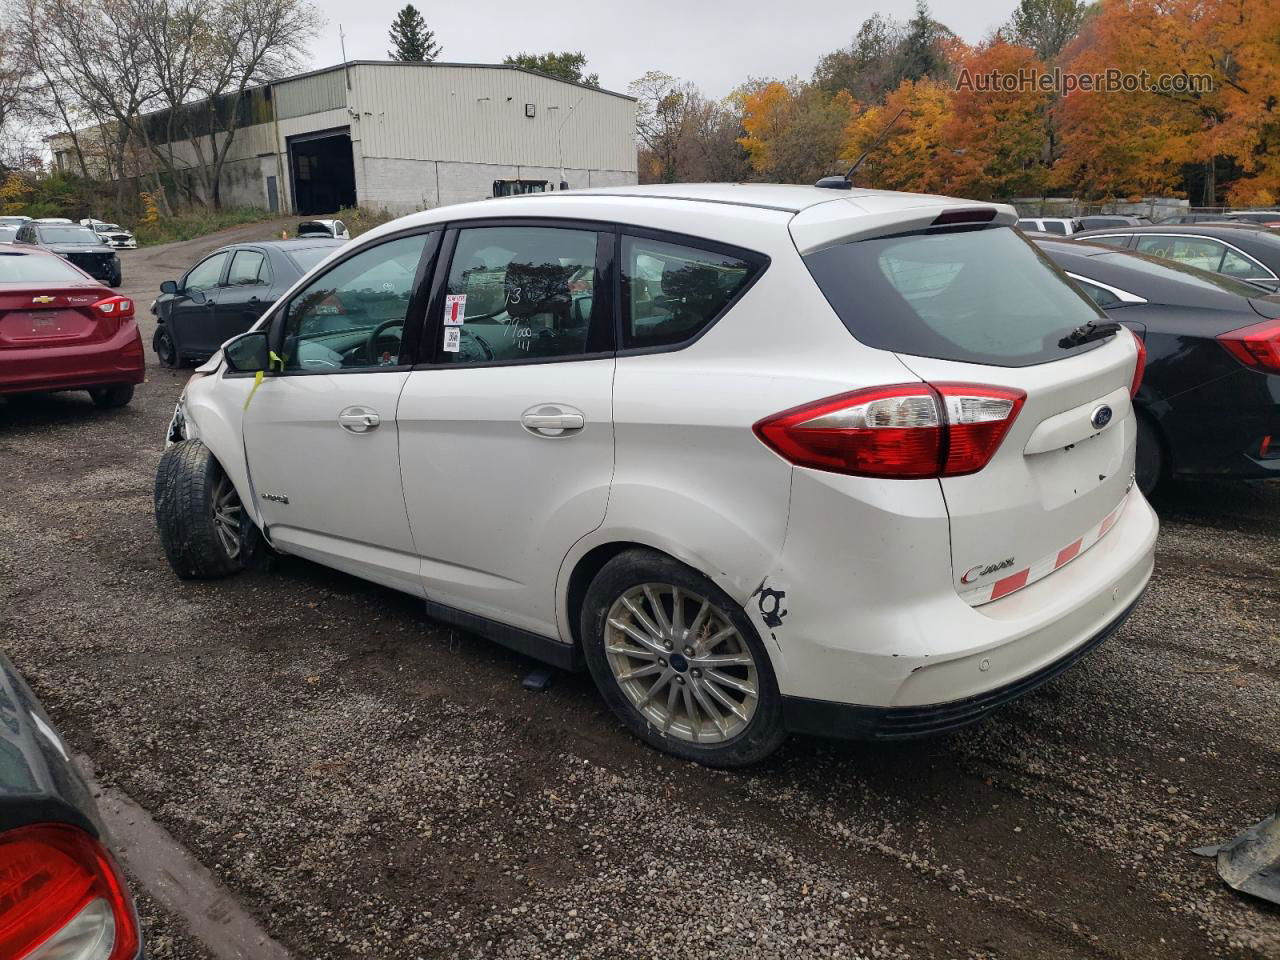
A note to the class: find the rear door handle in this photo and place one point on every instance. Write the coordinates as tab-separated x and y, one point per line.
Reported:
552	420
359	419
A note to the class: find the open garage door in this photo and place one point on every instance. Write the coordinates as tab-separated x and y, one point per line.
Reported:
323	171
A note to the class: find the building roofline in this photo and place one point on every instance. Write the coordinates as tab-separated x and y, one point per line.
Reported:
437	63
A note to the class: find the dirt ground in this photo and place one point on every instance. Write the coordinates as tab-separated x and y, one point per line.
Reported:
370	784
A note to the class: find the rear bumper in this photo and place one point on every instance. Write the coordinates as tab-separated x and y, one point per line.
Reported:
74	367
854	722
863	612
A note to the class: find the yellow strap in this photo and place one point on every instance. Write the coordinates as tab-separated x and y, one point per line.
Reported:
257	382
276	362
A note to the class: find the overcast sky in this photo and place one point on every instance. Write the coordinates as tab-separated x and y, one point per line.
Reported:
716	45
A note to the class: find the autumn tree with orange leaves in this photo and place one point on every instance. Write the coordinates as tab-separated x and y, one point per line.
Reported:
914	154
998	139
794	132
1134	143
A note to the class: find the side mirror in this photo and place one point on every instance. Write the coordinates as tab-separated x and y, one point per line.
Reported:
169	286
247	353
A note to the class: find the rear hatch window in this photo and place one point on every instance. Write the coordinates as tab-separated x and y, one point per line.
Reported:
977	296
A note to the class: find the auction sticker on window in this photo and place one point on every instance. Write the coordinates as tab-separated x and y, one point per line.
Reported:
455	310
452	339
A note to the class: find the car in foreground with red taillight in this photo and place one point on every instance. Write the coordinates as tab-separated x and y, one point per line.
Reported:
762	458
62	330
62	894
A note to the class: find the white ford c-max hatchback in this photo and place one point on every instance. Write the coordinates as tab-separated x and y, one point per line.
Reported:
763	458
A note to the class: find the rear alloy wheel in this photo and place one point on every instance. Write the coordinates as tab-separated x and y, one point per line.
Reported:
201	520
166	350
680	663
116	395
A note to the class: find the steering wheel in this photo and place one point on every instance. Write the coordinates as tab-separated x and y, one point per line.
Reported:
372	343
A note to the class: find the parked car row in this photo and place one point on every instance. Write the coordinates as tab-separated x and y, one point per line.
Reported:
79	244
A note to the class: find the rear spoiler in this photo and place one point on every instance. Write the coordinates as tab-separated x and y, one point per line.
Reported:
870	215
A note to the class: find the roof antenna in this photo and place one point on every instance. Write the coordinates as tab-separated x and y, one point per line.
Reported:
846	182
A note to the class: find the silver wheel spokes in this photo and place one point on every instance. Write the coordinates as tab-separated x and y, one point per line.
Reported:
681	663
226	516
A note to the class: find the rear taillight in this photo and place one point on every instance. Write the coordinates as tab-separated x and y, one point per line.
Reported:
1140	367
62	897
114	307
1257	345
909	430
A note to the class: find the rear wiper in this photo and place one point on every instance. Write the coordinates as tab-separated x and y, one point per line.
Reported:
1088	333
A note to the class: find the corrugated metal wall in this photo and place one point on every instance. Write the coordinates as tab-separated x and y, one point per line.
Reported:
311	94
477	115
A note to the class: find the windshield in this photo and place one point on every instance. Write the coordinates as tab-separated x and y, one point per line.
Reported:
37	268
107	227
978	296
56	234
308	257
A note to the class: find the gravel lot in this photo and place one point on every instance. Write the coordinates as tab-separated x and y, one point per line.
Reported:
372	785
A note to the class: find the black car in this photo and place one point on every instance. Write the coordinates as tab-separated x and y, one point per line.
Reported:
1269	218
1242	251
1209	403
78	244
61	892
225	293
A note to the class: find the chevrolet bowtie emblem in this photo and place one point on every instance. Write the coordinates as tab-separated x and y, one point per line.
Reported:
42	299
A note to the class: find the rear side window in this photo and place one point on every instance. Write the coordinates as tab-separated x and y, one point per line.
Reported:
673	292
1235	265
978	296
248	267
1053	226
1099	295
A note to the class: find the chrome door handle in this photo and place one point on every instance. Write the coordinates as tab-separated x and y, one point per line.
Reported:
358	420
549	420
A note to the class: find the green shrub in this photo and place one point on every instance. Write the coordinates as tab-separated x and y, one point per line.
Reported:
197	223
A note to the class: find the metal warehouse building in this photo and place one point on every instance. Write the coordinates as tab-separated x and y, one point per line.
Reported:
409	136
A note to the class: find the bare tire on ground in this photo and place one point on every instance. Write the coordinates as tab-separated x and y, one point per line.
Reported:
679	662
116	395
199	514
166	350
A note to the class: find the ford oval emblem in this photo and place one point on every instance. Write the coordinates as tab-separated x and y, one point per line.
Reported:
1101	417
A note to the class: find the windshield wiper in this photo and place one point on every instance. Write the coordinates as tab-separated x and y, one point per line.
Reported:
1088	333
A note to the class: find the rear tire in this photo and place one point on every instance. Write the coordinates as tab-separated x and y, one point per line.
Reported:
112	397
166	349
1150	467
727	715
201	521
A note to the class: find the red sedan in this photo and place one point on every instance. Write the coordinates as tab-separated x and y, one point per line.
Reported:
62	330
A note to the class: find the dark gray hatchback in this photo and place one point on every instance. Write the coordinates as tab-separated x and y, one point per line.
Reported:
224	294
